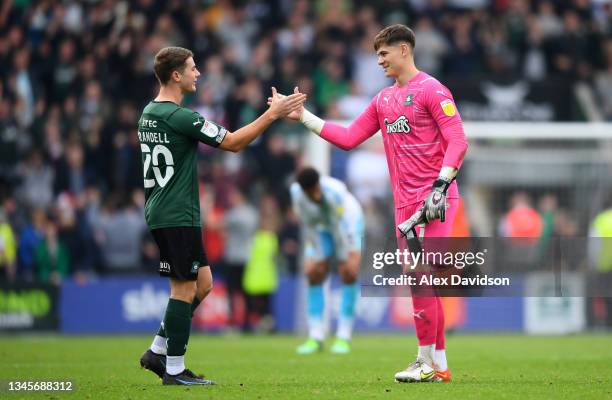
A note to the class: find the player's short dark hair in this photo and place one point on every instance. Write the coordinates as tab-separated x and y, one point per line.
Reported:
394	34
168	60
308	178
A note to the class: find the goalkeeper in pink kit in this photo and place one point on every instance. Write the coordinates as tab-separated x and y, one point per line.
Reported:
425	146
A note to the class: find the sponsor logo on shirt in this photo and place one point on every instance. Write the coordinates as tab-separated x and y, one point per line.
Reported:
164	267
448	107
398	126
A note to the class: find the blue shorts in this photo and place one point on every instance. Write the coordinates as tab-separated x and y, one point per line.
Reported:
324	245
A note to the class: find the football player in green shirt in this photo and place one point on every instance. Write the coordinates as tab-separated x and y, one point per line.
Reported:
169	135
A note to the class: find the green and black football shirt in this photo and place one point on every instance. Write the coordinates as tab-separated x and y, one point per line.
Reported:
169	136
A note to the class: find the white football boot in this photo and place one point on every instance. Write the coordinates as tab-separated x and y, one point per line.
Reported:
418	371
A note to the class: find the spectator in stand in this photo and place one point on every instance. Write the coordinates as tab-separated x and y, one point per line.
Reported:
212	219
74	72
600	259
8	249
240	224
351	105
30	237
73	173
289	241
547	206
431	49
36	189
9	155
330	83
52	257
260	277
120	228
522	221
276	165
603	81
298	34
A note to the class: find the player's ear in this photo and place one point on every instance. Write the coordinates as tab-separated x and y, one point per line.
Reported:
176	76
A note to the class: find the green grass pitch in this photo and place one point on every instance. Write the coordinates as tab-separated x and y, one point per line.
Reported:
483	366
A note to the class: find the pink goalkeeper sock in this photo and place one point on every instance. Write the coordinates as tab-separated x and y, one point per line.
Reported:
440	335
425	312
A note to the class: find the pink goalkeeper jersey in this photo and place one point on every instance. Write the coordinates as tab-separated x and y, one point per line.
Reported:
421	129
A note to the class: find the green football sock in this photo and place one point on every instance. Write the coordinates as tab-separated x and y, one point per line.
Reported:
162	331
178	326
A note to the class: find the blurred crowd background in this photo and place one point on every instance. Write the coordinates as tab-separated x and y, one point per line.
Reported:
74	76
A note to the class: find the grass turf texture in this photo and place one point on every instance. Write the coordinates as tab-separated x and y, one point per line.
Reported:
483	366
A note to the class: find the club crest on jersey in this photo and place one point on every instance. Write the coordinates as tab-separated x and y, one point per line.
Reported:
409	99
194	267
448	107
400	125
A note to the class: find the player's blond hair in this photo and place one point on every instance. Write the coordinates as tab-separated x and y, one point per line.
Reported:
168	60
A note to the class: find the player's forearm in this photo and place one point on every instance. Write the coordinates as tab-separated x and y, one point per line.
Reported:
345	138
338	135
434	206
238	140
456	148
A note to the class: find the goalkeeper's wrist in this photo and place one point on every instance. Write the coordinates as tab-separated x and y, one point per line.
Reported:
312	122
446	177
448	173
442	184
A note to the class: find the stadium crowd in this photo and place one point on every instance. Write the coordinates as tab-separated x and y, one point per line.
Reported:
74	76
